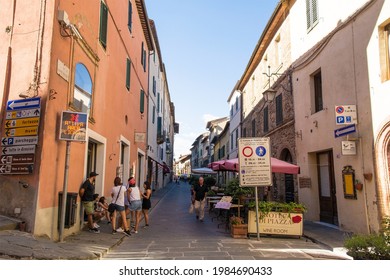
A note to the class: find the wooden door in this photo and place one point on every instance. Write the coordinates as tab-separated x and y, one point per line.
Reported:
327	188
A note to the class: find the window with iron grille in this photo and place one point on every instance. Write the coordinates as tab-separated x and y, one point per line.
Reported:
311	13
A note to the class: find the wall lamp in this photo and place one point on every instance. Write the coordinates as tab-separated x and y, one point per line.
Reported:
269	95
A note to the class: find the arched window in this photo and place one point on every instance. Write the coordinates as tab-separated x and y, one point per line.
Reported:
82	97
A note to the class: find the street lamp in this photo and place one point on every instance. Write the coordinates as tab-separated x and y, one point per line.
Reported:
269	95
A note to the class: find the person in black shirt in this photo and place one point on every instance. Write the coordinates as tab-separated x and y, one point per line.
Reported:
200	192
86	192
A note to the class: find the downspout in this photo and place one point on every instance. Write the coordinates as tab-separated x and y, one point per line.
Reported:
8	68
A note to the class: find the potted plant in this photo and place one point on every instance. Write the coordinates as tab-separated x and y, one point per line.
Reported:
238	229
358	185
233	189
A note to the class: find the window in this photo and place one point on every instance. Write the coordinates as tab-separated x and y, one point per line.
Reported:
128	68
265	119
103	24
158	102
231	111
143	56
154	85
253	128
384	39
154	114
236	138
279	109
142	101
231	141
236	103
82	94
130	16
311	13
318	103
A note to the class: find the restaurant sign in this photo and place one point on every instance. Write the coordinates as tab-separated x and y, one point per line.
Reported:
276	223
73	126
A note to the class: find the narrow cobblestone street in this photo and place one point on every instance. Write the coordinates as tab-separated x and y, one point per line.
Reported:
175	234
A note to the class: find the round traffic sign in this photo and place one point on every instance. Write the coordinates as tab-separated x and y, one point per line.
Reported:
247	151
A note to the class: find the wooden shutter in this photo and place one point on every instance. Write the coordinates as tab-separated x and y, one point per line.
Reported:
103	24
130	16
142	101
128	69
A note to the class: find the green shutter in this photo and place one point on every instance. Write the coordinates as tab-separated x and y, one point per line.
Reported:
103	24
142	101
130	16
128	68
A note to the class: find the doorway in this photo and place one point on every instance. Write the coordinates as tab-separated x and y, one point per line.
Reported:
327	188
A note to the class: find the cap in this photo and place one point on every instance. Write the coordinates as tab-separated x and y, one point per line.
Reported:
92	174
132	181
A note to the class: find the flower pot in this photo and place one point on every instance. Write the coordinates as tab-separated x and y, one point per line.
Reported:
359	186
239	231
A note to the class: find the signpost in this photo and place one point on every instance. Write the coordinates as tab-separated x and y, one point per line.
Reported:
254	157
20	136
73	127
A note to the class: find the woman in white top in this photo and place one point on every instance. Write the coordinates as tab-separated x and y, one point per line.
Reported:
135	203
118	198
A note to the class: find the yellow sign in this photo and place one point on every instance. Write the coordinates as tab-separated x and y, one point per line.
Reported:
276	223
22	122
21	131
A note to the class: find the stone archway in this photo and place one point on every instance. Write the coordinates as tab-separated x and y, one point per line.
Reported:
382	160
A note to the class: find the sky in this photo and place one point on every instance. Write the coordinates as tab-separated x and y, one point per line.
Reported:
205	46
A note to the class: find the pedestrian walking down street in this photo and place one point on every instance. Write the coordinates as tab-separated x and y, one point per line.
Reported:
200	192
86	193
118	195
146	203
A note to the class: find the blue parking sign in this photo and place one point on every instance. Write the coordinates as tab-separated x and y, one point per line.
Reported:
340	119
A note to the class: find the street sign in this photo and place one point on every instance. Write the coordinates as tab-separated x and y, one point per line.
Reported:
21	131
23	114
73	126
17	159
255	161
22	122
18	150
16	169
345	130
16	141
345	114
22	104
348	148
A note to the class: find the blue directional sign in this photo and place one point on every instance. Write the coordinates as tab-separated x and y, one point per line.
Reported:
22	104
345	130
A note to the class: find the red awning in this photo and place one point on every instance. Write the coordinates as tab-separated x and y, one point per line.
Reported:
277	166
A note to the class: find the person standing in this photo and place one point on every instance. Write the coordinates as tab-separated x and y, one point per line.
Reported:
118	194
200	192
135	203
146	203
86	192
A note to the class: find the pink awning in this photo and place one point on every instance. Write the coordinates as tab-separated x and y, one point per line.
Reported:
277	166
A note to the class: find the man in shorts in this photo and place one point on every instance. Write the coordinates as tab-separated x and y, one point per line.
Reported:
86	192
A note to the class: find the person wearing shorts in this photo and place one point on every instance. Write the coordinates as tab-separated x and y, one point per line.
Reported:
135	203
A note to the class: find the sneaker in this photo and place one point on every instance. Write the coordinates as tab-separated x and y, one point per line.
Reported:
120	229
127	232
95	225
134	231
146	226
113	231
94	230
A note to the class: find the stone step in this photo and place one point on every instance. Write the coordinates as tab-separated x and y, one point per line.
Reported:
8	223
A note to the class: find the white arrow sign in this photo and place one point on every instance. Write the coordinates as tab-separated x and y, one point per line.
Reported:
17	150
24	104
